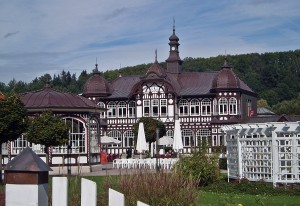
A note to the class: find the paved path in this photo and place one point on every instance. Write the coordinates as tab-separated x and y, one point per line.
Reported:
107	169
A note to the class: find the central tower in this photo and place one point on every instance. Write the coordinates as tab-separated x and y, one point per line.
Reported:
174	63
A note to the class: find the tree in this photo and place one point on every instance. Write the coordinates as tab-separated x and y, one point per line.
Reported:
291	107
13	121
48	130
263	103
150	126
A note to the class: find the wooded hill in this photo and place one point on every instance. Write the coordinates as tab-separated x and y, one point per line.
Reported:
274	76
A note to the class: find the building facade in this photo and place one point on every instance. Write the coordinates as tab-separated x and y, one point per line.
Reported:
82	116
202	101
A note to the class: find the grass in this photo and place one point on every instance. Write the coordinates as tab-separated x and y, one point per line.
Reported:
229	199
217	194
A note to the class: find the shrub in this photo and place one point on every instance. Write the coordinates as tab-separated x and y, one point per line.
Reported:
154	189
200	167
223	163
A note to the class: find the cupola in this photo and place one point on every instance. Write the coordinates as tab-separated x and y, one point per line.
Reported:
226	78
96	85
156	70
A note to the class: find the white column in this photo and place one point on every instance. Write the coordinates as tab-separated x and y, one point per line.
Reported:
26	194
240	160
88	192
275	158
59	191
115	198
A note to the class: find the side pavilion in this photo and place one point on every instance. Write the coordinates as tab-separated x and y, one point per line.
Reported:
79	112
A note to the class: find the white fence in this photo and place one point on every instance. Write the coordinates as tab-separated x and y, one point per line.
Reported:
148	163
268	151
88	193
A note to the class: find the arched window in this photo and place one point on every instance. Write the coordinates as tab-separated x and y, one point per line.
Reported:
195	107
187	136
111	110
131	109
170	133
116	134
21	143
223	106
183	108
102	105
77	136
205	107
128	138
203	136
122	110
232	105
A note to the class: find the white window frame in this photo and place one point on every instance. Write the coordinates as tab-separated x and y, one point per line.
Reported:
223	106
146	106
205	107
101	105
163	107
155	107
195	107
111	113
183	107
233	106
131	109
122	110
128	138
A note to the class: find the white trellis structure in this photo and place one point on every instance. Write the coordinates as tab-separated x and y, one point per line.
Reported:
268	151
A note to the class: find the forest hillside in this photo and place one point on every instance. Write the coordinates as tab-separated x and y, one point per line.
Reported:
275	76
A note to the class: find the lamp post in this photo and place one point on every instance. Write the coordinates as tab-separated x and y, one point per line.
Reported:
69	154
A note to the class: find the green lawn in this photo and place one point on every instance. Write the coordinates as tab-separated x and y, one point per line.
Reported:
228	199
221	194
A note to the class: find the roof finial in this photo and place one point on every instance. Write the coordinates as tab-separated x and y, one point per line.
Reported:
173	25
96	67
155	55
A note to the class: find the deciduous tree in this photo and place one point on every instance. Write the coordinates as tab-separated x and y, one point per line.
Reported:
48	130
13	121
150	126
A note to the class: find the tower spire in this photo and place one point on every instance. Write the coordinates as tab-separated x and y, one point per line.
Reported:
173	25
155	55
174	63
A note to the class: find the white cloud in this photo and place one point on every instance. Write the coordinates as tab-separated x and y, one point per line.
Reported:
49	36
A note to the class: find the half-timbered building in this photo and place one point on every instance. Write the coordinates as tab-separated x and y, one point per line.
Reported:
202	101
82	117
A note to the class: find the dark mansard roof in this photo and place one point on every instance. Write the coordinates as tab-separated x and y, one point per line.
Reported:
183	84
96	85
49	99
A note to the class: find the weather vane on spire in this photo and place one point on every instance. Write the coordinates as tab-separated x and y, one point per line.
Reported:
155	54
173	24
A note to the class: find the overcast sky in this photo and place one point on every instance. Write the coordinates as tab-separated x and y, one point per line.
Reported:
39	37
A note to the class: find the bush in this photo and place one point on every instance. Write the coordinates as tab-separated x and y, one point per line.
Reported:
154	189
223	163
200	167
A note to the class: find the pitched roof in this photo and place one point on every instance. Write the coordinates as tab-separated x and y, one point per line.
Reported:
122	86
27	161
49	99
195	83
